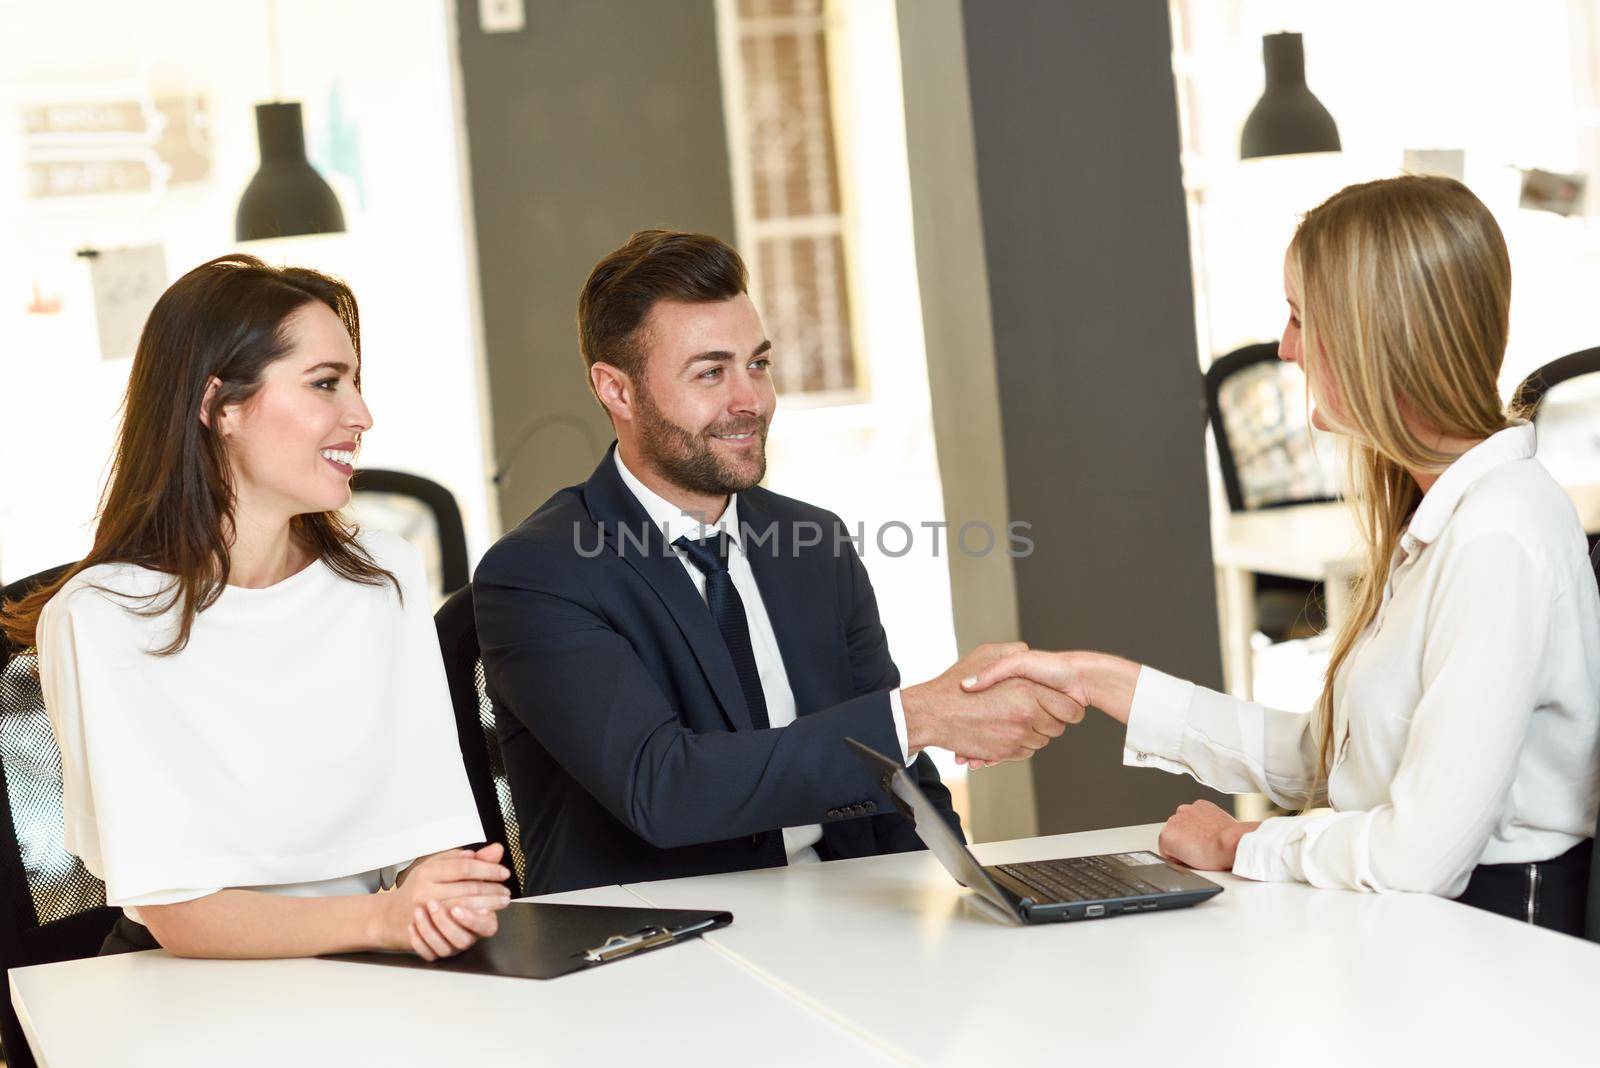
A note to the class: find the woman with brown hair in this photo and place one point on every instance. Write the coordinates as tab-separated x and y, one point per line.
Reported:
248	695
1457	738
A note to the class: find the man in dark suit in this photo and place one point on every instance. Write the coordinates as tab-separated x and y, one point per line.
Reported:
676	655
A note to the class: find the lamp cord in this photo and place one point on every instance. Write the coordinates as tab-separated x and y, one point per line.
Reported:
502	467
272	50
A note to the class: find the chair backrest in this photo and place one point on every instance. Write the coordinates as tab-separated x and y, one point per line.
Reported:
480	746
1592	918
51	908
418	509
1256	405
1530	394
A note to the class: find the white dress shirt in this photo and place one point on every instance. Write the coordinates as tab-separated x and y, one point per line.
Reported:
799	842
1466	717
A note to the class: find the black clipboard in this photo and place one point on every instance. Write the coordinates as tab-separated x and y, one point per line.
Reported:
538	940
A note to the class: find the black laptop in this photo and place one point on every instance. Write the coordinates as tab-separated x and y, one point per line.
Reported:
1042	891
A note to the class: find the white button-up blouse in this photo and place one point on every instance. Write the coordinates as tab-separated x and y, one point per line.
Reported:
1466	717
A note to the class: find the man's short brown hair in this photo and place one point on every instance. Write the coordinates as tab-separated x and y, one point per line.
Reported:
653	265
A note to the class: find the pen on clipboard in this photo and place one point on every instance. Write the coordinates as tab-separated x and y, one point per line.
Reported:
647	938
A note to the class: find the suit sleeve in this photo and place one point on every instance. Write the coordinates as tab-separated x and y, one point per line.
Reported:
872	670
578	686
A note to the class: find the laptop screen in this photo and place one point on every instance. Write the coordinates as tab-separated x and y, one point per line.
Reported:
930	826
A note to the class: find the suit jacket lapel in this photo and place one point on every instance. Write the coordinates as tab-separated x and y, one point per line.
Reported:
801	614
624	525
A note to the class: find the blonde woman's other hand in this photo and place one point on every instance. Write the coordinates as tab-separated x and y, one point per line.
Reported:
1204	836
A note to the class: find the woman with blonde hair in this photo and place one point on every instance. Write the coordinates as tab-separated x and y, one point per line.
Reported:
1457	737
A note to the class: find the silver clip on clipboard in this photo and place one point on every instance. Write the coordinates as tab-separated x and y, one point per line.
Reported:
647	938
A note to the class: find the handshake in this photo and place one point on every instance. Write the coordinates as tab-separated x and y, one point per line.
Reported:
999	702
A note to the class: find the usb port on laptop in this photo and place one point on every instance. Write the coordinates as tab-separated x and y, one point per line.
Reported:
1094	910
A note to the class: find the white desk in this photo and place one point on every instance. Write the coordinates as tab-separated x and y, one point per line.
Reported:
1261	974
153	1009
883	960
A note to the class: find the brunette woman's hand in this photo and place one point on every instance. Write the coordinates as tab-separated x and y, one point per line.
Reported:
446	902
1203	836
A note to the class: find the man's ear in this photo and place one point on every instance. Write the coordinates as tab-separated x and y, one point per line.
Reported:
614	388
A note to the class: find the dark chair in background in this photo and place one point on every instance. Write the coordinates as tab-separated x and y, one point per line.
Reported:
480	746
1530	394
1256	406
1592	917
1530	397
51	908
419	510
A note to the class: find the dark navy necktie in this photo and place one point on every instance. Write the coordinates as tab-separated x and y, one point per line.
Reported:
711	557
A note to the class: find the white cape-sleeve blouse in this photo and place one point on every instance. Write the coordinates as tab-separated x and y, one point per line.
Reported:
304	733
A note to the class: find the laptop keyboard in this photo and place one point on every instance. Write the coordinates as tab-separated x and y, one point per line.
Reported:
1078	879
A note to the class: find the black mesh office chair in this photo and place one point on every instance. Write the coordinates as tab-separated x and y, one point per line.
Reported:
51	908
480	746
1257	410
419	510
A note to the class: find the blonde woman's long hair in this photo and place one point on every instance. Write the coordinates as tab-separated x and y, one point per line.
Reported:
1405	293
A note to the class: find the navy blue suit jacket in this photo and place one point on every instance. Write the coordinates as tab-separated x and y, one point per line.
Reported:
627	740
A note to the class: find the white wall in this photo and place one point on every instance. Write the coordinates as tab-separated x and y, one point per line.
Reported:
818	453
822	454
405	254
1504	82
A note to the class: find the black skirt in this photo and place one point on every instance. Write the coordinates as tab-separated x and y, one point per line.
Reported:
1550	893
128	936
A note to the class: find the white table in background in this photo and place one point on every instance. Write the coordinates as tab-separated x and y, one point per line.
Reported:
687	1005
1263	974
1313	542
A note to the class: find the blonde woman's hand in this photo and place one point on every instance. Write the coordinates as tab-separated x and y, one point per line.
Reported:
446	902
1058	673
1203	836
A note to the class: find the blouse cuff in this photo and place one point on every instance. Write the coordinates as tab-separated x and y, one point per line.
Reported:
1262	853
1156	720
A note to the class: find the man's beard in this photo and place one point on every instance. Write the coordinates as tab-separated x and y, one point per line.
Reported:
688	460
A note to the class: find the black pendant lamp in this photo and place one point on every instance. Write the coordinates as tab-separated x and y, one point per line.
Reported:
287	196
1288	119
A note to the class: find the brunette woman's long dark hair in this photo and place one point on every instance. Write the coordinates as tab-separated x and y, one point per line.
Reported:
169	501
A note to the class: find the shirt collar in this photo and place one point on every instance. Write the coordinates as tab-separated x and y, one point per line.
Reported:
1518	442
671	519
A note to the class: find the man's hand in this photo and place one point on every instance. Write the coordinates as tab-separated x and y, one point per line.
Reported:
1080	678
1007	721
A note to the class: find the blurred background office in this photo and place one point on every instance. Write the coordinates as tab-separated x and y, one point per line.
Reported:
996	245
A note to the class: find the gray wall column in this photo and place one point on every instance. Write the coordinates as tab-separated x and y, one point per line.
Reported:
954	279
1085	244
596	120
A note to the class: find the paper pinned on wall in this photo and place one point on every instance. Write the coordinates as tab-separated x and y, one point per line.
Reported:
1448	162
127	283
1548	191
